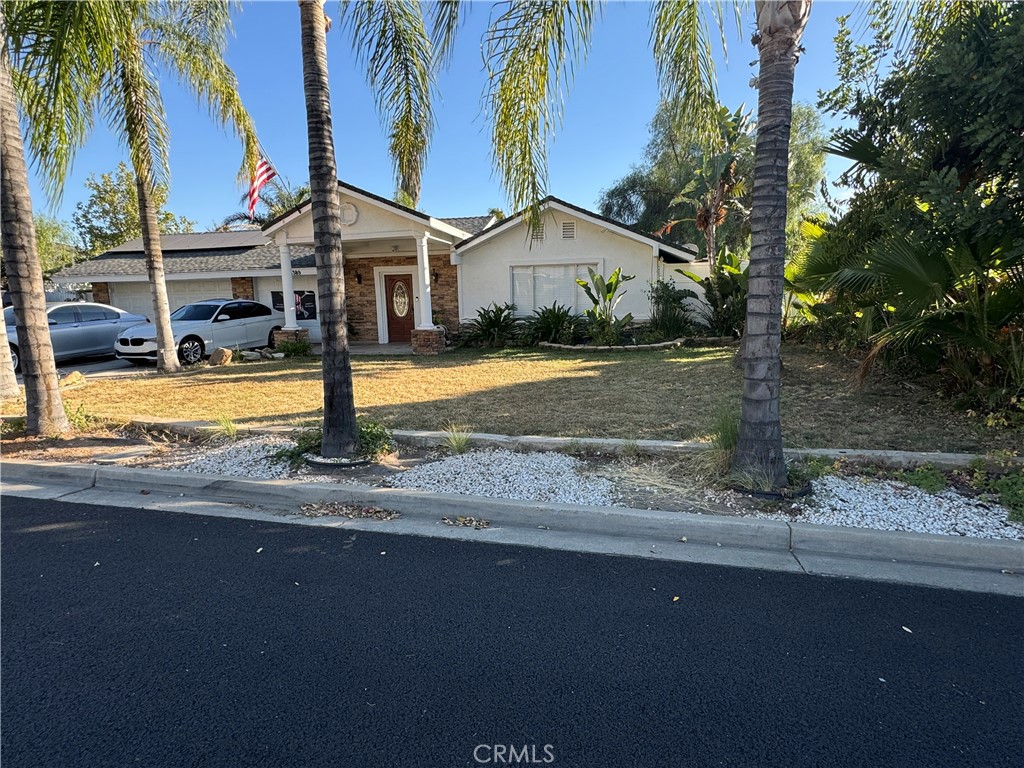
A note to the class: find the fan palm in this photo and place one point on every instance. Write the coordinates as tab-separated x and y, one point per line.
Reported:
277	197
130	42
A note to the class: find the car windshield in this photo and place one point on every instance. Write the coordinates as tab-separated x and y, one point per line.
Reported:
195	312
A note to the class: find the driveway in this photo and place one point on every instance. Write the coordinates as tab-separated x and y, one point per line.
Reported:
95	367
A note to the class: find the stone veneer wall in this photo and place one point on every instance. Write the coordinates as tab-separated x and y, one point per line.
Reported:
361	297
242	288
101	293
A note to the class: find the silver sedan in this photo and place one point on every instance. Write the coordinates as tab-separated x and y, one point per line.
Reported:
78	329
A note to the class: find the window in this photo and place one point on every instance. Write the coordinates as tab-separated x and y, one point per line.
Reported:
195	312
259	310
63	315
568	230
91	313
544	284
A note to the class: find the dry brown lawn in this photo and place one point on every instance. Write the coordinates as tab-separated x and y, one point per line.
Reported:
663	394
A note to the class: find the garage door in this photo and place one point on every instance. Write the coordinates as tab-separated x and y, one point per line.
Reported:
136	297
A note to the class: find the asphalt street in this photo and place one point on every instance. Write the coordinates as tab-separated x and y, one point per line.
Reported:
160	639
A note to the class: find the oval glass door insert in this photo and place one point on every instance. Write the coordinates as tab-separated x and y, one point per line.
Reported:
400	300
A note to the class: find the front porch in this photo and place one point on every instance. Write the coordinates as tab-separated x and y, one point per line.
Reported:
400	279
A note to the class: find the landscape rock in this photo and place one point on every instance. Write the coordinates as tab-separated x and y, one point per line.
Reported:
249	355
220	356
266	354
74	379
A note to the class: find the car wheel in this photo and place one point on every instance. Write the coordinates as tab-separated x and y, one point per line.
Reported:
15	360
270	339
190	351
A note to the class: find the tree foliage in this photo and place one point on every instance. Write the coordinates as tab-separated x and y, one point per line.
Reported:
109	215
927	259
653	194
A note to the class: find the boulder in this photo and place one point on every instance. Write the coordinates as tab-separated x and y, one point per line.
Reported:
250	355
220	356
266	354
74	379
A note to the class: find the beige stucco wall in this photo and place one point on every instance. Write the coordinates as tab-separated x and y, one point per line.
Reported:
487	268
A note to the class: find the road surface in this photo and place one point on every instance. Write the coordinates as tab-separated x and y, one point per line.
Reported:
161	639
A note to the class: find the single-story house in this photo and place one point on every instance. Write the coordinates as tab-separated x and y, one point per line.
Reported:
405	271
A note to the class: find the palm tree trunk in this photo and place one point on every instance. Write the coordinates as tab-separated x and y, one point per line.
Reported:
137	129
167	353
341	434
759	459
43	404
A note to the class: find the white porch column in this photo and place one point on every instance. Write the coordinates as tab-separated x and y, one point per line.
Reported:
426	317
287	287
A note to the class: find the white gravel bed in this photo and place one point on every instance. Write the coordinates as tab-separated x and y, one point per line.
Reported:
501	474
251	457
886	505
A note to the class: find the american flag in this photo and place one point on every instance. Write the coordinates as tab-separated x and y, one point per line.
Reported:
264	173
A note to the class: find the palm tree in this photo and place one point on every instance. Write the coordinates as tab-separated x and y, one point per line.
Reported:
340	431
759	457
134	41
43	403
523	101
277	197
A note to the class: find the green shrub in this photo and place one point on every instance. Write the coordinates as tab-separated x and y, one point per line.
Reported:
1010	489
671	316
294	348
375	441
555	324
926	477
79	418
494	327
724	312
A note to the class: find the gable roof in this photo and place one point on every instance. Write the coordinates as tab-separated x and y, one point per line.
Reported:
447	225
471	224
668	251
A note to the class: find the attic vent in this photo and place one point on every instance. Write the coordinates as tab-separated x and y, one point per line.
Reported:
568	230
537	233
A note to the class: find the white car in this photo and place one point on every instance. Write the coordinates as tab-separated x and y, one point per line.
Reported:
201	328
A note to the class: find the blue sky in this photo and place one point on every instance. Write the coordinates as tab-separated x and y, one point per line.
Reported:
603	134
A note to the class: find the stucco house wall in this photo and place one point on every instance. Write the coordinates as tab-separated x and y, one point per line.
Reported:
487	268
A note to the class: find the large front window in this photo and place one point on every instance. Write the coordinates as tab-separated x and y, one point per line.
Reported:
542	285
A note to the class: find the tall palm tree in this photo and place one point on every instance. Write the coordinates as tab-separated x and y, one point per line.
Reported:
759	457
43	402
138	37
523	101
340	431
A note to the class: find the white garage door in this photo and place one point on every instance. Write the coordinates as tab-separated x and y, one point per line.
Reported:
136	297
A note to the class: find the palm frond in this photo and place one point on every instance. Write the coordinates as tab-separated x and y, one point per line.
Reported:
444	24
680	37
59	52
530	51
189	39
391	41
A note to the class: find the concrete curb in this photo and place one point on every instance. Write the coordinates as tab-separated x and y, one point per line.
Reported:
610	445
797	539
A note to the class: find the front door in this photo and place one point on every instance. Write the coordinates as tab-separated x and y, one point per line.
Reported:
398	298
